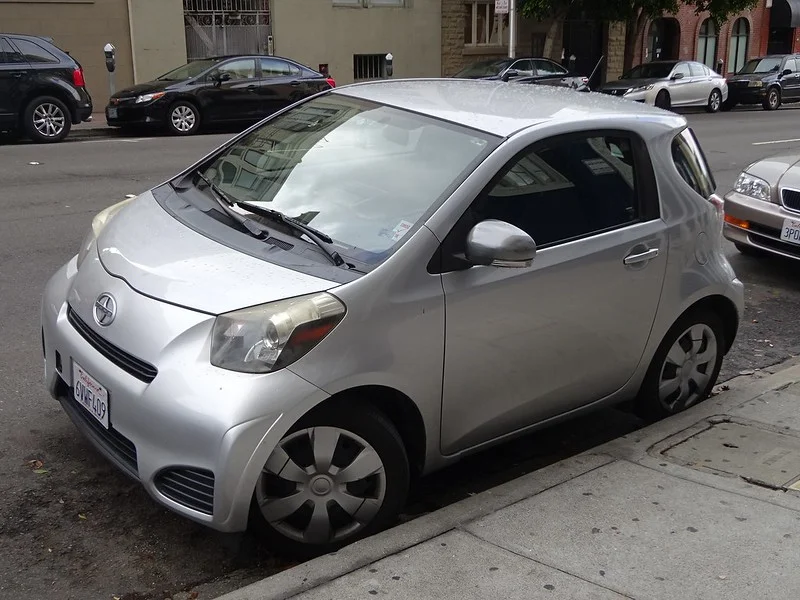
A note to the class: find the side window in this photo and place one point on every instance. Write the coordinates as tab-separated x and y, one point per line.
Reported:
691	164
545	67
698	70
682	68
566	188
34	53
523	67
791	64
244	68
6	52
272	67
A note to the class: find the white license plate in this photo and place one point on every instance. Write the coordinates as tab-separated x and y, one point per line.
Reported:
791	231
90	394
112	113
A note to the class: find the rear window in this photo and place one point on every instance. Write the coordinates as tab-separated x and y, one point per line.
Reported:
34	53
691	163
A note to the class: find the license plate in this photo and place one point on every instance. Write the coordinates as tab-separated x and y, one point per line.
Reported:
791	231
112	113
90	394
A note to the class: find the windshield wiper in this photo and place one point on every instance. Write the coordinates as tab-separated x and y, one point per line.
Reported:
320	239
226	203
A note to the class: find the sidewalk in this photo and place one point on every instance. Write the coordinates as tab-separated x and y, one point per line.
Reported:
699	506
97	127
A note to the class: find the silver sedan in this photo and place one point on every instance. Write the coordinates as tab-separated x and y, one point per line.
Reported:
379	280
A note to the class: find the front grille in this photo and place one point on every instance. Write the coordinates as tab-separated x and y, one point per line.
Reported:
791	199
112	441
193	488
615	92
140	369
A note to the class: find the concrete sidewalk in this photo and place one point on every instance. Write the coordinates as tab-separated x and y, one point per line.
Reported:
702	505
97	127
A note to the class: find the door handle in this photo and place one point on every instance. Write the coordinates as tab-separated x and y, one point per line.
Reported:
18	75
295	83
252	88
633	259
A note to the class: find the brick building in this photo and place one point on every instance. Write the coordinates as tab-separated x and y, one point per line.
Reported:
768	28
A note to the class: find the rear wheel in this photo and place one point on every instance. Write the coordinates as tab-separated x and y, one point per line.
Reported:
773	99
714	101
47	120
183	118
336	477
663	100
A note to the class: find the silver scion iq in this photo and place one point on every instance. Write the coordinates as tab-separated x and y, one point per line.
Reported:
379	280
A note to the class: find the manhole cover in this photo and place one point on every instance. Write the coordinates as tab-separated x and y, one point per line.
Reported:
755	454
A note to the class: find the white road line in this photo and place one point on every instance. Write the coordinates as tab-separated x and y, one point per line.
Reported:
103	141
776	142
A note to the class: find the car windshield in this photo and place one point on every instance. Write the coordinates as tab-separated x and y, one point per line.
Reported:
189	70
762	65
364	174
650	71
486	68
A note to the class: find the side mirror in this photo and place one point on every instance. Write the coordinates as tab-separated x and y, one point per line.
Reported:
786	72
676	76
509	74
500	244
221	77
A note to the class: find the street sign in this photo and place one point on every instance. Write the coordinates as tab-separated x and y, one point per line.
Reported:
501	7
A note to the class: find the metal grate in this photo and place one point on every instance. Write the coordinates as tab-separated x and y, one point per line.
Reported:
217	27
140	369
369	66
193	488
791	199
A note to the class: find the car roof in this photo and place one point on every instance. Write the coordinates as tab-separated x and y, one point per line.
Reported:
495	107
29	36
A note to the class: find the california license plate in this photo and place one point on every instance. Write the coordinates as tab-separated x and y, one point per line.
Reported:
90	394
791	231
112	113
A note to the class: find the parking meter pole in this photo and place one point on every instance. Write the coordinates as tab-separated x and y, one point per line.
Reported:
512	29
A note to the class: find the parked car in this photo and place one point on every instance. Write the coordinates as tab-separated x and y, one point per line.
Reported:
42	89
379	281
769	81
762	212
671	84
223	89
524	70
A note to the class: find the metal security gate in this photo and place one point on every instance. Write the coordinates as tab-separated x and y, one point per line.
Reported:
217	27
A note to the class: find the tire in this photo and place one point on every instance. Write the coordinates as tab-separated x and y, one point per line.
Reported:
727	106
663	100
714	101
46	120
773	99
748	250
365	437
664	372
183	118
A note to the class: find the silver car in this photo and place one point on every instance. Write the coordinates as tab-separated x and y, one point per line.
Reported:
671	84
380	280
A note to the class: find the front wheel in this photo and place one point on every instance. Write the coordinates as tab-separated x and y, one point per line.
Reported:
684	368
183	118
728	105
714	101
663	100
336	477
773	99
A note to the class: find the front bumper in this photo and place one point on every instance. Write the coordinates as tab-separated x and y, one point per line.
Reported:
746	95
196	437
120	115
765	223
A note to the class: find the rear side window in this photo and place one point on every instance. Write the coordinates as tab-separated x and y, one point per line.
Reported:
691	163
272	67
34	53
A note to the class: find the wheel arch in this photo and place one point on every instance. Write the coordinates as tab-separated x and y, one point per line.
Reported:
53	92
725	309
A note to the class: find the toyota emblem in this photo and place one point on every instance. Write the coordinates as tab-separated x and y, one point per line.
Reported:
105	309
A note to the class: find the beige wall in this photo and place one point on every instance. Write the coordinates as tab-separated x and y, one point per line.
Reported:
157	37
81	27
314	32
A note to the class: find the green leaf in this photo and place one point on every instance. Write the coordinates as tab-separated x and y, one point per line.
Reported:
41	471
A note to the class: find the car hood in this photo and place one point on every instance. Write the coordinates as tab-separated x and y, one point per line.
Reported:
160	257
145	88
782	169
625	84
751	77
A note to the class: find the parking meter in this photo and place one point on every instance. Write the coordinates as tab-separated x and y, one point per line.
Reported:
389	65
111	64
720	66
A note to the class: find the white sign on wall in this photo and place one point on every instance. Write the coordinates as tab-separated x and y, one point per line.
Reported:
501	7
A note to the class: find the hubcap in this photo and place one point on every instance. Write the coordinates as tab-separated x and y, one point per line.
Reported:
773	98
183	118
321	485
688	368
49	119
715	100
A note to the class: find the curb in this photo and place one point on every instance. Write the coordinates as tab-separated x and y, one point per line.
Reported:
319	571
93	132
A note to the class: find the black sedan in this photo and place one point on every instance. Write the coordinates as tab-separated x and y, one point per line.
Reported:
525	70
223	89
769	81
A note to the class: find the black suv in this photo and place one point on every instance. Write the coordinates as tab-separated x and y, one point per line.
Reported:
768	80
42	90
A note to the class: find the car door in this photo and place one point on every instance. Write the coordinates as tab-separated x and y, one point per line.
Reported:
701	84
527	344
791	82
680	88
282	84
551	73
234	99
14	73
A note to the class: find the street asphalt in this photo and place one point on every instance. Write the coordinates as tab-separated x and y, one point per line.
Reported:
72	527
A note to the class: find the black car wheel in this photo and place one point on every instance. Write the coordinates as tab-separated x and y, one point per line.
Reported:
663	100
47	120
728	105
714	101
773	99
183	118
335	477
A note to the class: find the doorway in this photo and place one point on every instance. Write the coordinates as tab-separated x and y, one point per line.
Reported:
663	40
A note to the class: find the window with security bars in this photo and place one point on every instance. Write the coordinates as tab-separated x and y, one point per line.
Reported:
369	66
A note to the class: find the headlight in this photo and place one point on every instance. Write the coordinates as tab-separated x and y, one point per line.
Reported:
272	336
755	83
150	97
754	187
100	220
642	88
